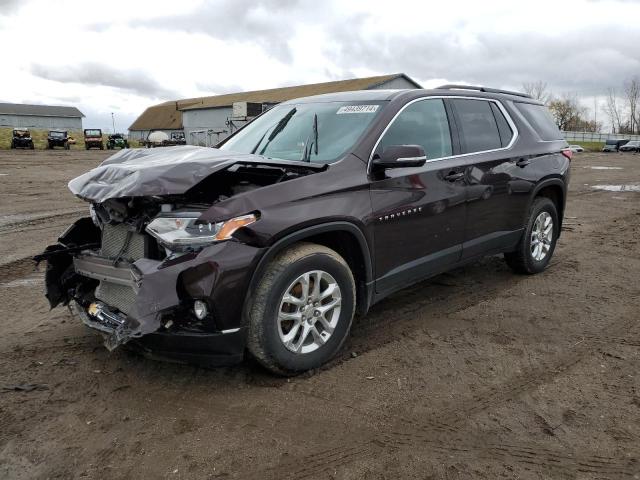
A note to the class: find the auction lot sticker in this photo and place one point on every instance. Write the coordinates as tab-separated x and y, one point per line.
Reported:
357	109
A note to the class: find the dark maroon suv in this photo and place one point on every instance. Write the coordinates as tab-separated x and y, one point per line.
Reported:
320	207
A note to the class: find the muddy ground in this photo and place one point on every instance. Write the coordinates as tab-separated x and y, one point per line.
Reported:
477	373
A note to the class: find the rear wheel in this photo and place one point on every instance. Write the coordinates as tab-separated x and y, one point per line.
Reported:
301	311
538	241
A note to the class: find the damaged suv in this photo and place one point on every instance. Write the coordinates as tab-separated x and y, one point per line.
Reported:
314	211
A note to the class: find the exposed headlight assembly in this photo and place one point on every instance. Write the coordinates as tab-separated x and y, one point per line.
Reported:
180	231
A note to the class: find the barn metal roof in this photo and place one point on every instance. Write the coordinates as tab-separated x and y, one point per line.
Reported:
168	115
39	110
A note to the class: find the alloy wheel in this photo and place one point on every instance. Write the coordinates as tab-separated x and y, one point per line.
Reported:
309	311
541	236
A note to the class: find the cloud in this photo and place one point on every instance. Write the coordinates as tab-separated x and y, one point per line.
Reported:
93	73
8	7
159	52
235	21
569	61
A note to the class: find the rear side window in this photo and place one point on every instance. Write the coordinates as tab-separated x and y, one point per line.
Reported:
421	123
478	126
541	121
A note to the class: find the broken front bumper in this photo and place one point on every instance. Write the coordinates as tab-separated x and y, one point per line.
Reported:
158	319
202	348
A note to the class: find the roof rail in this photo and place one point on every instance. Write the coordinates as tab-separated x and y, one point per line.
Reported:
481	89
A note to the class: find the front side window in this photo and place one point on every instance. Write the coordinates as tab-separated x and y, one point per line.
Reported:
478	127
312	132
421	123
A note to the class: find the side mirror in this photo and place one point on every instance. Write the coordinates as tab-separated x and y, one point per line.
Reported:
400	156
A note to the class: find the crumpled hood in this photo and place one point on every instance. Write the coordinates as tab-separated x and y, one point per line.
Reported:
158	171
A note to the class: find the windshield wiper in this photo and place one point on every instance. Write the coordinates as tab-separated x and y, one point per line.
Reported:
279	127
306	155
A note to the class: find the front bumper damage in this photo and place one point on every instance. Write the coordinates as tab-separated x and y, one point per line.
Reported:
159	322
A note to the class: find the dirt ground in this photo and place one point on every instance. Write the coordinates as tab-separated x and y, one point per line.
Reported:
477	373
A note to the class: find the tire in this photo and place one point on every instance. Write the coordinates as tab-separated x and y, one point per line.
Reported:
526	258
266	330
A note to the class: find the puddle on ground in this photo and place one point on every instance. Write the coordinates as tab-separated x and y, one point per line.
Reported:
22	282
596	167
618	188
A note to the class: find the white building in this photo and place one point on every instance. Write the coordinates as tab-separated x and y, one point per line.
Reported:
46	117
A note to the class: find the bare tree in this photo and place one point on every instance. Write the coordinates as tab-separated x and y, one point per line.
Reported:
538	90
613	110
568	113
632	94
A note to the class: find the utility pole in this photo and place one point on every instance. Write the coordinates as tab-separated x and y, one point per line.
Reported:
113	122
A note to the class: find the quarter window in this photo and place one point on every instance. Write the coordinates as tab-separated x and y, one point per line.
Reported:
541	120
421	123
478	127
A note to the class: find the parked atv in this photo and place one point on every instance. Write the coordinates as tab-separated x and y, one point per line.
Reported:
21	138
93	138
116	141
57	138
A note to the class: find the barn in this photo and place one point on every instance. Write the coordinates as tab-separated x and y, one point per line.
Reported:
207	120
46	117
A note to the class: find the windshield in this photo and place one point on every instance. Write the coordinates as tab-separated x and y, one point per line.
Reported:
313	132
92	133
57	134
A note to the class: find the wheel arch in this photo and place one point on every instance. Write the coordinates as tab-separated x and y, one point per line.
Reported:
556	190
346	238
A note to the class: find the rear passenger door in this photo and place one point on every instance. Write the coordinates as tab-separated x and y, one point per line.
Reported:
493	212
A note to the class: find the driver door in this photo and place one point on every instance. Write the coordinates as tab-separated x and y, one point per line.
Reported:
419	213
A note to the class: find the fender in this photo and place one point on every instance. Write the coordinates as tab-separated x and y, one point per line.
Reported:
555	181
338	226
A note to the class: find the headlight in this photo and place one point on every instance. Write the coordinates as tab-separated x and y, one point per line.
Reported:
183	231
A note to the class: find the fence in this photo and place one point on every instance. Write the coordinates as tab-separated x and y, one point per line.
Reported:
597	137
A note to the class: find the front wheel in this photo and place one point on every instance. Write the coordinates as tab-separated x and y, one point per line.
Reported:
301	312
538	242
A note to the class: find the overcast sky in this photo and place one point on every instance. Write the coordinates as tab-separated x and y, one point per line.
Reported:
122	56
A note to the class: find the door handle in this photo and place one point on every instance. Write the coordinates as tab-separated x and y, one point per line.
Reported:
453	176
523	162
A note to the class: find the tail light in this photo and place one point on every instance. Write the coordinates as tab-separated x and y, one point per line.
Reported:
567	152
